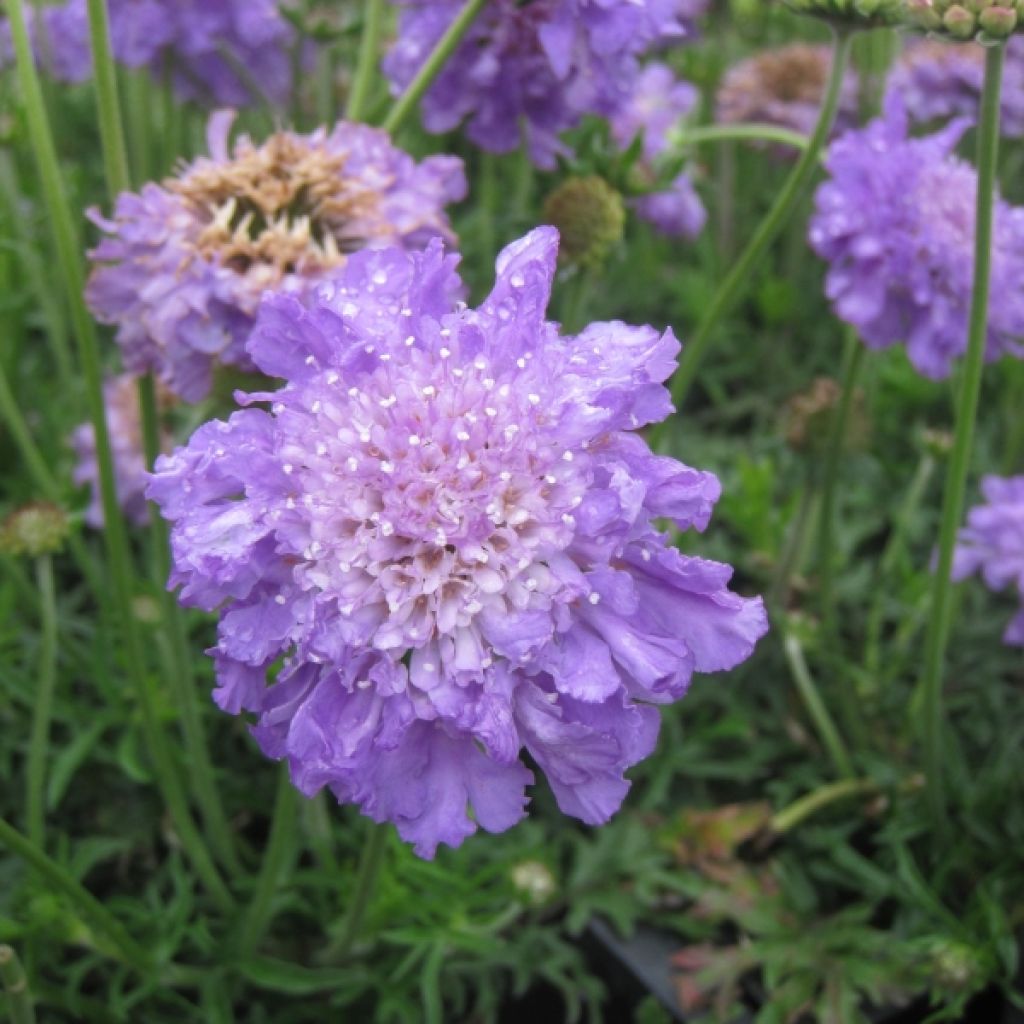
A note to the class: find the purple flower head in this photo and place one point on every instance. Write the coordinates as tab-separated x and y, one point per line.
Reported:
208	46
937	81
59	35
992	544
655	110
784	87
895	221
445	526
184	263
121	399
533	69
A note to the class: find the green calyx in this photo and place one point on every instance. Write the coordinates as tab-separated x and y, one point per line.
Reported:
590	217
852	13
983	21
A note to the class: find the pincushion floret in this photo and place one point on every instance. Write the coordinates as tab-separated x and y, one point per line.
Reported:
183	265
448	527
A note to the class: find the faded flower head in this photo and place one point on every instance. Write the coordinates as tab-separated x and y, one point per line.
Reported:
895	221
124	424
992	544
444	532
533	69
938	80
185	263
39	528
980	20
655	112
808	417
589	216
784	87
218	52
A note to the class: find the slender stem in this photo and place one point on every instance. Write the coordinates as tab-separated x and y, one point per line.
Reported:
432	66
87	904
826	728
19	999
33	458
792	191
369	49
752	132
789	557
930	687
277	861
118	552
115	159
800	810
366	877
39	745
853	359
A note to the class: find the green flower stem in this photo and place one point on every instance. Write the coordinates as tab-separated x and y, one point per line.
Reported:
87	905
68	252
752	132
278	858
800	810
115	159
791	193
39	744
19	999
432	66
369	51
790	557
816	709
179	674
370	861
853	359
930	686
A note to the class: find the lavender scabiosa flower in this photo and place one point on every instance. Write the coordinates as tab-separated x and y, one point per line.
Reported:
784	87
124	424
655	112
937	81
184	263
533	69
59	35
443	531
992	544
895	222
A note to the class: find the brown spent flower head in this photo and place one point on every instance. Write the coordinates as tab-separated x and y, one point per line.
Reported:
590	216
984	21
808	417
39	528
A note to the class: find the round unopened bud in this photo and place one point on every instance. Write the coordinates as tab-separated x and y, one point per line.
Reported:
590	216
955	965
937	443
534	880
923	15
998	22
36	529
959	22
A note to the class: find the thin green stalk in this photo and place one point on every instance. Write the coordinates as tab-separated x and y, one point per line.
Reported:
39	743
753	132
800	810
793	190
88	906
789	557
930	686
366	878
432	66
179	674
277	861
118	552
115	159
853	359
816	709
369	50
19	999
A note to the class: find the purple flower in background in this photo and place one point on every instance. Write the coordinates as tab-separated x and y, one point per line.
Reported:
218	52
59	35
185	263
121	399
533	69
654	111
937	81
445	526
992	543
784	87
895	221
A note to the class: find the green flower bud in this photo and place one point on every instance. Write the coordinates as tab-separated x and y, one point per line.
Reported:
37	529
534	880
998	22
959	22
590	216
984	21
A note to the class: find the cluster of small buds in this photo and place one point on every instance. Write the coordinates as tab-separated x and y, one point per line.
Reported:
590	217
864	13
986	21
36	529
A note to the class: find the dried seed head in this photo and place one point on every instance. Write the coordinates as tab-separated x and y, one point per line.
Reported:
590	216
